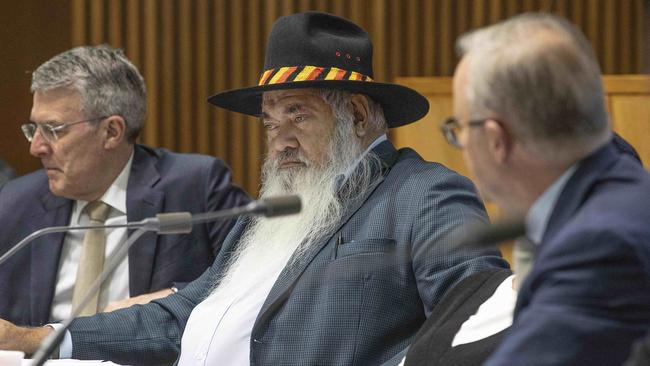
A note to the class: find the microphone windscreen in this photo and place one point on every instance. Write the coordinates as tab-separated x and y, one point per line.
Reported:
280	206
174	223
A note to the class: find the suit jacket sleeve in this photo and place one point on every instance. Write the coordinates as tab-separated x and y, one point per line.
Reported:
438	264
155	338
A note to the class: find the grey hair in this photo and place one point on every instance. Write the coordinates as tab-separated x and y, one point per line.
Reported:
339	101
107	82
538	74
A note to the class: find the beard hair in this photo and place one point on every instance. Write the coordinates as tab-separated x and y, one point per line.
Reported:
276	242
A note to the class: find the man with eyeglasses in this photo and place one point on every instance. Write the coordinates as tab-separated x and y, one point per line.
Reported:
88	109
532	124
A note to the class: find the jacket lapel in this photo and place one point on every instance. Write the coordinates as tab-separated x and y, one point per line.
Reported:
142	201
290	275
45	254
575	192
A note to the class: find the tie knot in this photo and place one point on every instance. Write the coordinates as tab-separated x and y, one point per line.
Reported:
97	211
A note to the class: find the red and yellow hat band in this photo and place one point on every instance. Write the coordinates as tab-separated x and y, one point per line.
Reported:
308	73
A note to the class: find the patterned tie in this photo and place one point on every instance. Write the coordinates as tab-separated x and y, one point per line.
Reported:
92	257
523	255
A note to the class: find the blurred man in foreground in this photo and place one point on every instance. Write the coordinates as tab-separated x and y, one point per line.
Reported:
529	115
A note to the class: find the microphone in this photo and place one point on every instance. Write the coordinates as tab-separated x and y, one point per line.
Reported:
177	222
149	224
269	207
487	234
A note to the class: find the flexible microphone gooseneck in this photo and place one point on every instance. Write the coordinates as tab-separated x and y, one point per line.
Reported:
149	224
163	224
175	222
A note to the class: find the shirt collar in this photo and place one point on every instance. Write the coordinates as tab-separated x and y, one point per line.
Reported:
341	178
540	212
115	195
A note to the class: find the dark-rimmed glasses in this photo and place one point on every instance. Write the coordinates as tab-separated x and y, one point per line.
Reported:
451	128
50	131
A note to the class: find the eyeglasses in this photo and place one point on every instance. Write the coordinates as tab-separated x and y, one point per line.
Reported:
49	131
451	128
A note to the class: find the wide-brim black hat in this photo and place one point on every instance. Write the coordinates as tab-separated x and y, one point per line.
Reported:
320	50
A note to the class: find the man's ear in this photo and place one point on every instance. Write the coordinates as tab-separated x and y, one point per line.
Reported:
499	142
361	113
114	128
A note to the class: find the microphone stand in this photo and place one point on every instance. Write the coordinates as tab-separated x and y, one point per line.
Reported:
149	224
176	222
169	223
53	339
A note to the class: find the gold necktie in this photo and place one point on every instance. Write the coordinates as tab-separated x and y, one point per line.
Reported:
92	257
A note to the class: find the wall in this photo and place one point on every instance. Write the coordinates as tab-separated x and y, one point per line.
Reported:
31	32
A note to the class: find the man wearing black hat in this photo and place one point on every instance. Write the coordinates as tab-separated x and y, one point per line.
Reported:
351	278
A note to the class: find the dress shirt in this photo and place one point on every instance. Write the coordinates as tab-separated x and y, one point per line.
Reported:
117	285
219	329
493	316
540	211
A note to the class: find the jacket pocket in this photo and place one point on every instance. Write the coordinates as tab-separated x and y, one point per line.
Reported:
365	246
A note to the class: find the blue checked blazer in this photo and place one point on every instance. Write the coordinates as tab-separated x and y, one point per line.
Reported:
358	300
160	181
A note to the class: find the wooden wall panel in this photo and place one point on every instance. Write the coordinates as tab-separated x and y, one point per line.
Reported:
189	49
628	103
31	32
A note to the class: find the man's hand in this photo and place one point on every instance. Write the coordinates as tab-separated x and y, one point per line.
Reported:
142	299
15	338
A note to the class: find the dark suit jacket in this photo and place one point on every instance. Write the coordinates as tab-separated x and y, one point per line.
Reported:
359	302
432	344
587	297
160	181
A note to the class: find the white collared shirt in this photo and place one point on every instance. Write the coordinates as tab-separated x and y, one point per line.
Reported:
540	211
493	316
218	331
117	286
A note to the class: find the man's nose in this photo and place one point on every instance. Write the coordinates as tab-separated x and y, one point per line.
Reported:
284	138
38	147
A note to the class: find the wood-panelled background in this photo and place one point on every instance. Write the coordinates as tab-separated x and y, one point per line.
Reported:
188	49
627	99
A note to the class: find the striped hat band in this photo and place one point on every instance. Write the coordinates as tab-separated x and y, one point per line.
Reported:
289	74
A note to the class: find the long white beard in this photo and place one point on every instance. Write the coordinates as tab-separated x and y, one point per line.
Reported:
273	242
